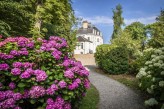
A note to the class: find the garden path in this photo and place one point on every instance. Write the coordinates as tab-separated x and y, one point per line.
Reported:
113	95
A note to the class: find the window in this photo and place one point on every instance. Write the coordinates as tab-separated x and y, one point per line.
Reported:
81	45
89	38
97	39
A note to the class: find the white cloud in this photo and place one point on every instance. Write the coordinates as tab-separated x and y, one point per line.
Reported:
99	20
109	21
146	20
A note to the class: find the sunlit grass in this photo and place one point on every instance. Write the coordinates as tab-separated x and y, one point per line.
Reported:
91	99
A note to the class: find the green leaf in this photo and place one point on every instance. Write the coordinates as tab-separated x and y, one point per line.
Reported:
21	85
13	78
32	101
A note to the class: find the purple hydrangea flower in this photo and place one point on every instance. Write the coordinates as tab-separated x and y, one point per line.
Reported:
26	94
40	75
23	53
8	93
62	84
17	64
84	73
27	65
67	106
37	91
14	53
25	75
50	91
56	54
60	100
86	83
2	95
50	101
17	96
16	71
69	74
30	45
12	85
4	66
17	107
8	103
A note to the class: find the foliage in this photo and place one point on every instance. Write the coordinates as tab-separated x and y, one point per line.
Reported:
39	18
91	100
15	17
151	78
137	31
156	32
118	21
39	72
114	61
139	62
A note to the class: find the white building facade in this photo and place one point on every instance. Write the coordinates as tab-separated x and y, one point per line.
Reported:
89	37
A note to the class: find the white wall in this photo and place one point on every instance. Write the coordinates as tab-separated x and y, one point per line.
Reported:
88	45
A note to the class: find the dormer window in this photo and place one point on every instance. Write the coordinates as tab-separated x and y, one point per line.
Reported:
89	38
97	39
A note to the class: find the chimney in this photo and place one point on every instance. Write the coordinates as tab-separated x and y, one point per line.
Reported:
85	24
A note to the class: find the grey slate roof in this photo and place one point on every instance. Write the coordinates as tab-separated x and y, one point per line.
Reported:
82	39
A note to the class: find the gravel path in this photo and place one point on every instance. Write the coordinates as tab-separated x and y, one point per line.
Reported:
113	95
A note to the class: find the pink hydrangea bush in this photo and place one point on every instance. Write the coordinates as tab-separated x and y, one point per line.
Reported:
39	73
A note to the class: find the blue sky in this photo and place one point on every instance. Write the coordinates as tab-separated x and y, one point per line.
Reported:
99	12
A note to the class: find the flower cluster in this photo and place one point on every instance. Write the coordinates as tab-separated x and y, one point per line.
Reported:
8	99
151	77
59	103
33	72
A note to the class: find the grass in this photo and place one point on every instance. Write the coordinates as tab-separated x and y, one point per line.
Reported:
90	101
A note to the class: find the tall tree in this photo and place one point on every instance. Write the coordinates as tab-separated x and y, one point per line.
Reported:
118	21
137	31
156	32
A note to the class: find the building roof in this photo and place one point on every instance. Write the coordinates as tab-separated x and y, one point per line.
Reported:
88	28
85	31
82	39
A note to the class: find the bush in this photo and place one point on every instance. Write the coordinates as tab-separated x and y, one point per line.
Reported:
151	78
113	60
140	60
39	73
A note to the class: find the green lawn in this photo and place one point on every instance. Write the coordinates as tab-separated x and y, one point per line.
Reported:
91	99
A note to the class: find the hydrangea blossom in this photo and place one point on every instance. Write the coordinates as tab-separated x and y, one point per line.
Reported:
69	74
40	75
62	84
12	85
4	66
16	71
37	91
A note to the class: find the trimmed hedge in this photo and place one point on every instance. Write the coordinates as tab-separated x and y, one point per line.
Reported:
113	60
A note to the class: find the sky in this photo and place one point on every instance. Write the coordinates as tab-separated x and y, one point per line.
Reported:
99	12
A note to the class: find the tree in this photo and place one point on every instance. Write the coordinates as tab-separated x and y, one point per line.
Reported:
118	21
38	18
156	32
15	19
137	31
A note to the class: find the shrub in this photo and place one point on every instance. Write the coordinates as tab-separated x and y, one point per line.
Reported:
140	60
113	60
39	73
151	78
